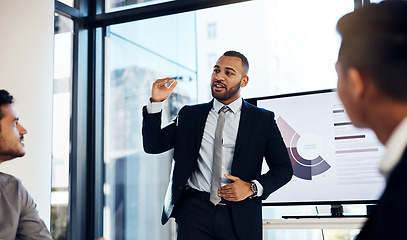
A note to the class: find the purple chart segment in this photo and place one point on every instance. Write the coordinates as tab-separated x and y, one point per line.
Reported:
303	168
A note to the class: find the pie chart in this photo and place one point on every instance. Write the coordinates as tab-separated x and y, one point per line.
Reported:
303	152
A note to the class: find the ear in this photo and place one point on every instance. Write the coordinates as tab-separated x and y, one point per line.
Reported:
244	81
358	83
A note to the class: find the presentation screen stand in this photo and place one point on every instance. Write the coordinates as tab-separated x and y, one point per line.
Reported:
336	212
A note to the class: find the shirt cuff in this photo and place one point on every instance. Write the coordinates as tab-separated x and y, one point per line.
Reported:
154	107
260	188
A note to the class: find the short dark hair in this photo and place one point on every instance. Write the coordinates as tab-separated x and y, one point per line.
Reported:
245	62
5	98
374	41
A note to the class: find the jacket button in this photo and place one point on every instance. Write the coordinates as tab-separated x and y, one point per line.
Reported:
180	188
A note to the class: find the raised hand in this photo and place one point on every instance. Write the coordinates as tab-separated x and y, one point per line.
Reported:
160	91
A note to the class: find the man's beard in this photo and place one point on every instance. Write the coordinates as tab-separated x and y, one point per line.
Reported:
9	153
227	94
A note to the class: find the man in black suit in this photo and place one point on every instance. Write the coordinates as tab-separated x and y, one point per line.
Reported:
372	84
249	135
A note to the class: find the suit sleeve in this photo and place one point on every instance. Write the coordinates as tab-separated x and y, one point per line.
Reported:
157	139
278	161
387	220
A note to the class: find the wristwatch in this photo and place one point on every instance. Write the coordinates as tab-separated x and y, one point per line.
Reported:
253	187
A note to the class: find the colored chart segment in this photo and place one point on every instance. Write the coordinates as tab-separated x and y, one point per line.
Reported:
302	168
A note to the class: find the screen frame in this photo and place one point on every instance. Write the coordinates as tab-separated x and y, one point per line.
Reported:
254	102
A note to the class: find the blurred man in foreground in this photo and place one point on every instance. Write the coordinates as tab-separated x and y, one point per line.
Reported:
372	84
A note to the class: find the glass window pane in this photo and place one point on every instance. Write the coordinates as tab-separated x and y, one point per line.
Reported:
138	54
291	46
70	3
61	125
117	5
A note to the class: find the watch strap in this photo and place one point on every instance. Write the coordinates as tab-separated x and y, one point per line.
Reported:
253	187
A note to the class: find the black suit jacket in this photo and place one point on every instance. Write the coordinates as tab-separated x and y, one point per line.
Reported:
258	136
388	219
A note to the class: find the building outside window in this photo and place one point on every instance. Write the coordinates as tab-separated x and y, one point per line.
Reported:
211	30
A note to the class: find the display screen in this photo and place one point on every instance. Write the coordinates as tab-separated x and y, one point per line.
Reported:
332	160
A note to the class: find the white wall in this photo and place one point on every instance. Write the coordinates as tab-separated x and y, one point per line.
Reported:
26	71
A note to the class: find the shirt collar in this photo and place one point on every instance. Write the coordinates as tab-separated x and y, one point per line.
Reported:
395	147
234	106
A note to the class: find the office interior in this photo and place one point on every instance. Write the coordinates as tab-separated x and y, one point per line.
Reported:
81	70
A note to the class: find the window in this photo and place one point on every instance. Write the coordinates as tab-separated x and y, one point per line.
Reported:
291	46
68	2
117	5
61	125
289	49
211	30
138	53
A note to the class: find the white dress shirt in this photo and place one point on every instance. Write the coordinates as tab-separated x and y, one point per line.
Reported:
201	177
395	148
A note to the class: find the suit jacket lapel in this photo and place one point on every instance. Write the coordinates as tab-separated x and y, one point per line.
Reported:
242	131
202	115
